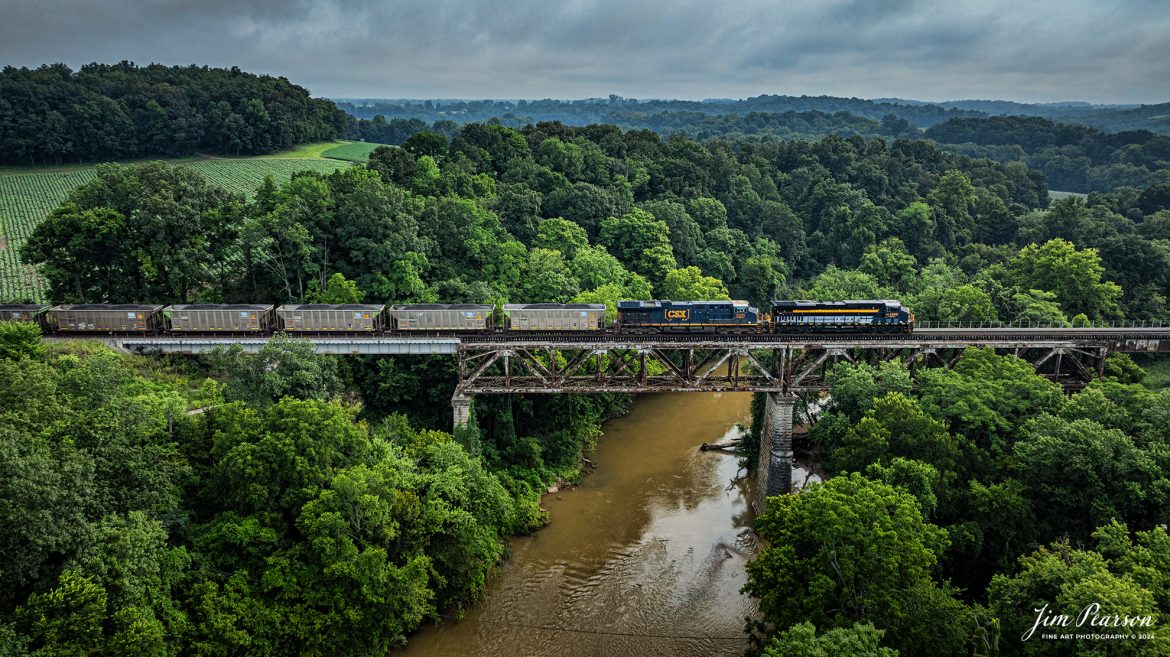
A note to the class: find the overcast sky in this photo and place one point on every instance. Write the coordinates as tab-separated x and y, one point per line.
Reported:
1027	50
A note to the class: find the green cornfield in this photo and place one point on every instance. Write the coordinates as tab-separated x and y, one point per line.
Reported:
27	196
354	151
244	176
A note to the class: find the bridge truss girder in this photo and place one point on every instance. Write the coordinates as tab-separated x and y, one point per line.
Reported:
649	366
505	369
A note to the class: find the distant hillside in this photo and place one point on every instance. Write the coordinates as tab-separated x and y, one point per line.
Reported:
1075	158
636	113
629	111
1107	118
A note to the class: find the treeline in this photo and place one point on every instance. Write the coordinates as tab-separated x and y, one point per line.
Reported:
1075	158
966	505
1108	118
697	125
631	111
52	114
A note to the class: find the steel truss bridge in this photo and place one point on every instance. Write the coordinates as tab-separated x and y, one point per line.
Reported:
781	365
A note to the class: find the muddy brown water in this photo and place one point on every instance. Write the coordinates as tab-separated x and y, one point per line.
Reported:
645	557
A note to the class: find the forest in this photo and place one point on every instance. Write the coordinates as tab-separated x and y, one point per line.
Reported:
290	504
102	112
1075	158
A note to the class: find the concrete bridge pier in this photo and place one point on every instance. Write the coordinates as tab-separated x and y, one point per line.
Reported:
774	472
461	409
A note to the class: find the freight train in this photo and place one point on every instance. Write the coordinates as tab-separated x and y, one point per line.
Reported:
633	317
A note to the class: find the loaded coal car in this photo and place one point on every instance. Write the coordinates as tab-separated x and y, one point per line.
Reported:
108	318
25	312
858	316
442	317
686	317
331	317
220	317
554	316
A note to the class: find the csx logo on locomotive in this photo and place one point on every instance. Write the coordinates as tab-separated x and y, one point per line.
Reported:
678	314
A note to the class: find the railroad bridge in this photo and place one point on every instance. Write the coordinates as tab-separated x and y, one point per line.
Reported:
780	365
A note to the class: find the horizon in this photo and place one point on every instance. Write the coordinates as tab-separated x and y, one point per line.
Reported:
718	99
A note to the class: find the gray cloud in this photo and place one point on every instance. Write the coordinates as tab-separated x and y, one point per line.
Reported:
1043	50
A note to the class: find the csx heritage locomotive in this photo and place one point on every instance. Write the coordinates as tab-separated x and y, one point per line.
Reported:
633	317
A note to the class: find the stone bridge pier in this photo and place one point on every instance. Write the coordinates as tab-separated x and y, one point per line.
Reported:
461	410
774	471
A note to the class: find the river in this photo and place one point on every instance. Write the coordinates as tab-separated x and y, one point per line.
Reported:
645	557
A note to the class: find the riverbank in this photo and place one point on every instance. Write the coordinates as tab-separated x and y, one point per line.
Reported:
646	556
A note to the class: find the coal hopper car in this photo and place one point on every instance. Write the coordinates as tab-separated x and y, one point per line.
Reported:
554	316
108	318
442	317
25	312
220	317
331	318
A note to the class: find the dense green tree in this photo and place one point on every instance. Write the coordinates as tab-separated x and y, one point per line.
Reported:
987	398
922	480
338	289
801	640
561	235
952	200
897	427
283	367
709	213
586	205
48	493
67	620
393	164
104	112
1073	275
889	264
1071	469
965	303
1061	580
686	236
641	242
1143	557
853	550
367	225
689	284
518	207
19	340
855	386
1037	307
426	143
547	278
760	279
842	284
918	227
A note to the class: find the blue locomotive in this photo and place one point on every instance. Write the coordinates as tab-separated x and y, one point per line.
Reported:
686	317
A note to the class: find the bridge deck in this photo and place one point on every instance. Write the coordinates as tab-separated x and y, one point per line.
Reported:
1129	339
